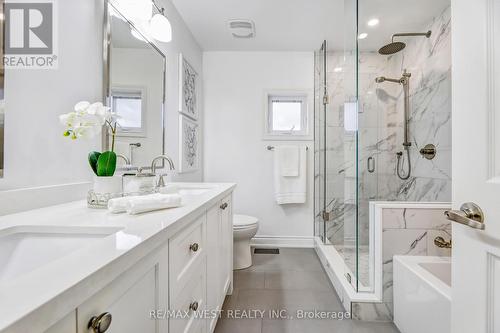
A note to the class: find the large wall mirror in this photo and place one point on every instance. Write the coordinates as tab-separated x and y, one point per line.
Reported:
134	87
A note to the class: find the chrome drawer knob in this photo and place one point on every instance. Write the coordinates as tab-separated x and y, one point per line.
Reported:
101	323
224	205
194	247
193	306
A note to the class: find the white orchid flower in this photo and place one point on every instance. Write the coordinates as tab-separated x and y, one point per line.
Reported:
82	106
87	120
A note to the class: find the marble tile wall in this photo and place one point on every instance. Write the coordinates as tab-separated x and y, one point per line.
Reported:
380	132
406	231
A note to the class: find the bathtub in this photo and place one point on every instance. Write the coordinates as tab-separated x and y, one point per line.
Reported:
422	294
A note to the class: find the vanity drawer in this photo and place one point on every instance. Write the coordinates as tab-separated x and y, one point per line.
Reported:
190	304
186	252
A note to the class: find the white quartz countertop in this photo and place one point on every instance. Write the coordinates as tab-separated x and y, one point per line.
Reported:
53	290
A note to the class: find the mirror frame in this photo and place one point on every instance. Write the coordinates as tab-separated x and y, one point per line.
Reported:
2	87
107	77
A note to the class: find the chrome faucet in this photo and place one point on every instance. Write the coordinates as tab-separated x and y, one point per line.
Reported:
123	157
161	181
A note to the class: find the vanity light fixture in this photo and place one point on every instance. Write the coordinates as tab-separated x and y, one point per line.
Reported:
362	35
137	10
137	35
373	22
160	26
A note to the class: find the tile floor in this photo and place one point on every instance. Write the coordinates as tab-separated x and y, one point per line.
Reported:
293	280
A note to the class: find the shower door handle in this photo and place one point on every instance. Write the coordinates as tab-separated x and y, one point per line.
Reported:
370	164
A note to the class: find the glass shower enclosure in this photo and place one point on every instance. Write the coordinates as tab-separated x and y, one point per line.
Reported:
342	188
369	124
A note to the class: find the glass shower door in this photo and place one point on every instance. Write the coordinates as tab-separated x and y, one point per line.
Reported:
336	155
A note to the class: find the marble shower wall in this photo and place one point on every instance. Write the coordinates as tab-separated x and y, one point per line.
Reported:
406	231
380	135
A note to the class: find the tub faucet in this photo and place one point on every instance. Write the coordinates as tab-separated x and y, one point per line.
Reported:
161	181
441	243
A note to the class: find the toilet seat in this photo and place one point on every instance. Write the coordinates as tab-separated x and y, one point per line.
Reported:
244	222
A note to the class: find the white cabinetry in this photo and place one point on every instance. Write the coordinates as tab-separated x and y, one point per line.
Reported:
220	258
192	271
130	299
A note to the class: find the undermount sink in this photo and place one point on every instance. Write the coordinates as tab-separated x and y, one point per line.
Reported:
26	248
193	191
188	190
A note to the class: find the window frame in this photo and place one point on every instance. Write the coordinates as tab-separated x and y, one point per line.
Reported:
130	92
288	95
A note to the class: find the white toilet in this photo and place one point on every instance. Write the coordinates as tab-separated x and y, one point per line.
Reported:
244	228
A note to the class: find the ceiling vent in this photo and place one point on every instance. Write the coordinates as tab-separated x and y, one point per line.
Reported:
242	28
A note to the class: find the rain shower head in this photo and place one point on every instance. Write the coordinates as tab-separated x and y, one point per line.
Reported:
392	48
395	47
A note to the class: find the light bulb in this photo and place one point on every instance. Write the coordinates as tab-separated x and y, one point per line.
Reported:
160	28
136	10
137	35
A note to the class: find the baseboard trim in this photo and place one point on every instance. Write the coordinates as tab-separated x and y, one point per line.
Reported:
271	241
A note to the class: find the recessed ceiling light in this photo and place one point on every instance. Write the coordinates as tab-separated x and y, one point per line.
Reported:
373	22
362	35
337	69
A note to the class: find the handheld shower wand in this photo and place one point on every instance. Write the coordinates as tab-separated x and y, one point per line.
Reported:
405	81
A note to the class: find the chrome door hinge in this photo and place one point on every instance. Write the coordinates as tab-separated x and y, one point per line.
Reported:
326	99
326	216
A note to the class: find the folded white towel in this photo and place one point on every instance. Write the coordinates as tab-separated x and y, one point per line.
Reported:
145	203
118	205
288	158
290	190
152	202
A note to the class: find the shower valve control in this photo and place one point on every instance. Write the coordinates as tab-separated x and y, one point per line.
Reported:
326	216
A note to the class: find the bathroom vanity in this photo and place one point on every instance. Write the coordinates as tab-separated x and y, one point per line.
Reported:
68	268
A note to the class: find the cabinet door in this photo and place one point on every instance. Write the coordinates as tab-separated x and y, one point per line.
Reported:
132	298
226	248
214	260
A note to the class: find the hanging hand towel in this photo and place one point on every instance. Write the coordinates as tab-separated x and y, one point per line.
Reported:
290	189
288	157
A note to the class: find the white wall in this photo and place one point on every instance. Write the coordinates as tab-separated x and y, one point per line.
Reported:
36	154
235	83
183	42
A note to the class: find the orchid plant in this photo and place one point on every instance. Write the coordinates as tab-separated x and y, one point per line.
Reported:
86	121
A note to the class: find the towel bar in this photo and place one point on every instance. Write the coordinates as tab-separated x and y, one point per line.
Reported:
272	148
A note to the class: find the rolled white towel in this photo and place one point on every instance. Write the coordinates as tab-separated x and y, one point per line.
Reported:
152	202
118	205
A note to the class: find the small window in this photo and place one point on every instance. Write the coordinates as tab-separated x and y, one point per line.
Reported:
129	106
287	115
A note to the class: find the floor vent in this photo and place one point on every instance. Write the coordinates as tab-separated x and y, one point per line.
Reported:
266	251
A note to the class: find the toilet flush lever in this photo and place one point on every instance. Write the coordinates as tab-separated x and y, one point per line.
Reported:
469	214
223	206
